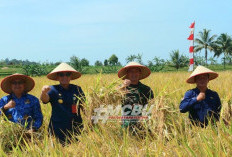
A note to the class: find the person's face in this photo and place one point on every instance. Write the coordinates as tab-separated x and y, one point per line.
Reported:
18	86
202	80
64	78
133	74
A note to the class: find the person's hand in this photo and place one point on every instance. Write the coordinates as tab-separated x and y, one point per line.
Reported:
126	83
122	87
10	104
201	96
46	89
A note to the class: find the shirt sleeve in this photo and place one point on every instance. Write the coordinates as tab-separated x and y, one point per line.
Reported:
148	93
81	95
37	115
81	99
218	107
188	101
151	94
2	104
51	94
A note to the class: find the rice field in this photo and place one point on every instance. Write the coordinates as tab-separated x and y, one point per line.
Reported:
170	131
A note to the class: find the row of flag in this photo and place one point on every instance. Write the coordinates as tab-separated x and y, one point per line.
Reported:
191	47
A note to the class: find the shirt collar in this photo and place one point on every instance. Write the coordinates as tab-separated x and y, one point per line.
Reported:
198	91
135	86
61	88
12	95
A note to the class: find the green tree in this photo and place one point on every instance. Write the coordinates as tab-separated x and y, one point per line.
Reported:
228	59
199	60
84	62
177	60
206	42
212	60
106	62
76	64
137	58
131	58
98	63
156	64
113	60
223	46
35	69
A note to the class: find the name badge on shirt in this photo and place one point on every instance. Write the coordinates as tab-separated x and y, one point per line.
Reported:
211	97
74	108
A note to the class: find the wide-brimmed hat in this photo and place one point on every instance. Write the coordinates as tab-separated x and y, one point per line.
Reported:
201	70
6	82
63	67
145	71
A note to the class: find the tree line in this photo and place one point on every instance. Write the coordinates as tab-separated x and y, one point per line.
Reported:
219	45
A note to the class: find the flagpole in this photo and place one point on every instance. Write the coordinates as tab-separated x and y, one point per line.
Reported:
193	44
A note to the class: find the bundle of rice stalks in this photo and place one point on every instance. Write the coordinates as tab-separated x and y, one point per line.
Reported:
14	136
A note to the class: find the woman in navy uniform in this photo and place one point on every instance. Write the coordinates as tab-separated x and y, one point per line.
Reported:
19	106
66	100
203	104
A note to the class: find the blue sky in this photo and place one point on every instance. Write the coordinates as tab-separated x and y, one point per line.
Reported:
54	30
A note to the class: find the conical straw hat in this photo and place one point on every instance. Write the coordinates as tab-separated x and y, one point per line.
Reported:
6	82
63	67
201	70
145	71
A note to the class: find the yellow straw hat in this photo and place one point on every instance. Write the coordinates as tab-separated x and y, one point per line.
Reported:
145	71
63	67
201	70
6	82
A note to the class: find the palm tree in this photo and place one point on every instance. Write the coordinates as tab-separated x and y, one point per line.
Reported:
131	58
206	42
223	45
178	60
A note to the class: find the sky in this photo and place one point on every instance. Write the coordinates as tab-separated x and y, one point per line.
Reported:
55	30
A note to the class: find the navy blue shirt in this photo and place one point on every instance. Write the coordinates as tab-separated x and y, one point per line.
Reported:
27	109
62	101
64	119
199	110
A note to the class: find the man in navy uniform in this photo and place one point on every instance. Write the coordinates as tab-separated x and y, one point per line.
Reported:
66	100
203	104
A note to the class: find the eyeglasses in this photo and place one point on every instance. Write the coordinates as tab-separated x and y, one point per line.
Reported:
64	74
17	82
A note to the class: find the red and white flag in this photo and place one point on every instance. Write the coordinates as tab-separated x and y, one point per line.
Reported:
191	47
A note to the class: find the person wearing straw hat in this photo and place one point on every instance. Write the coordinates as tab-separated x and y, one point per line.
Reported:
136	95
66	100
203	104
19	106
